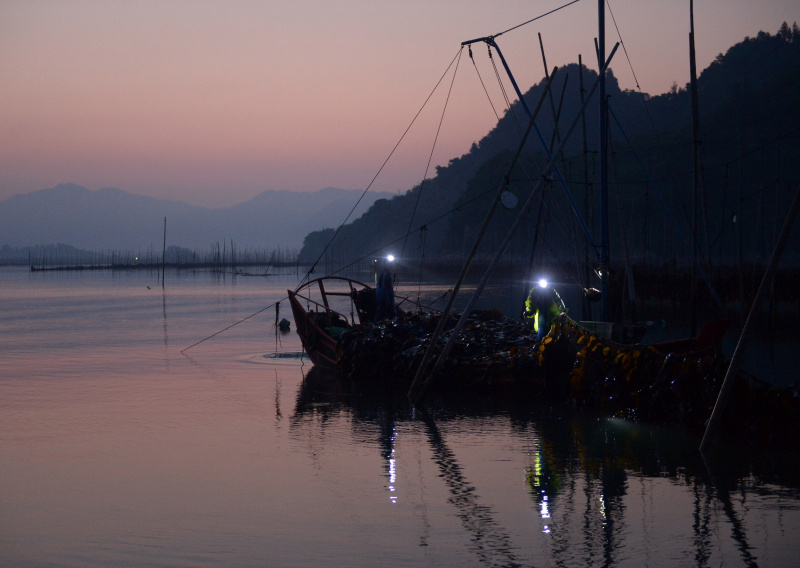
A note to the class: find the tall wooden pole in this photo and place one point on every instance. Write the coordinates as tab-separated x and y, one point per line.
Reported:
587	306
695	167
604	240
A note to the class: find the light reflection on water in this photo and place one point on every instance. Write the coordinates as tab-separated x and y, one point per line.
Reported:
117	449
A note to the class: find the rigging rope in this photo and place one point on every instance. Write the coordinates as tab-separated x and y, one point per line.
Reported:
503	90
538	17
422	260
624	49
629	281
671	216
482	83
338	230
430	156
526	175
234	324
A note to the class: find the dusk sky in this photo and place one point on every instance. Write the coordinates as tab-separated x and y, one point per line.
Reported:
213	102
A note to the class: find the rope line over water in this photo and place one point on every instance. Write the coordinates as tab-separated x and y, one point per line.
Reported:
235	324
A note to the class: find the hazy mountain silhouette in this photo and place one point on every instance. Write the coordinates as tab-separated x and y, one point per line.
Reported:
113	219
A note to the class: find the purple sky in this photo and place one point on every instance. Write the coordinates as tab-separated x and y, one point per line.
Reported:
213	102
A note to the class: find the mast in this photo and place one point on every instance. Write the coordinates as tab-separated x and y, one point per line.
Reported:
695	167
604	248
587	278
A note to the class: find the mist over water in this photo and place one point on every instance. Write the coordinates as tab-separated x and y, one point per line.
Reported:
117	449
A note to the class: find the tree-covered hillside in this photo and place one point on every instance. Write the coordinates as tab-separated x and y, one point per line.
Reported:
749	102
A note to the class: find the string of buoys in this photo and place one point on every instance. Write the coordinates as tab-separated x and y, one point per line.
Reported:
571	365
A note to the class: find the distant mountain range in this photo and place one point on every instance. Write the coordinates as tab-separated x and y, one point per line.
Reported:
109	219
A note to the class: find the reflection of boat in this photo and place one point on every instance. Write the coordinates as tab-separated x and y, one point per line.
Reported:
588	484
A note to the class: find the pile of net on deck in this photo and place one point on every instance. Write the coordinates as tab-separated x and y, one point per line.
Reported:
490	348
571	364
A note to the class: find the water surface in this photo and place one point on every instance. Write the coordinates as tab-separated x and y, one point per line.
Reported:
116	449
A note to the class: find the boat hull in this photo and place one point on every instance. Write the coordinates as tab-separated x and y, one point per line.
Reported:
319	345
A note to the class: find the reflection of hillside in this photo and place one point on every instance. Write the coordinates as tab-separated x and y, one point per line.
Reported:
593	482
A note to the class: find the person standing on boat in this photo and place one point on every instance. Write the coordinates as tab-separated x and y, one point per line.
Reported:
384	296
543	305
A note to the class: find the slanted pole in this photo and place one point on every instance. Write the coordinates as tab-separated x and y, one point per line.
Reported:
490	41
738	354
550	96
418	387
422	370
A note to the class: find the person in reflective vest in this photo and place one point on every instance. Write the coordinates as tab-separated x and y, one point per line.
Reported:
542	306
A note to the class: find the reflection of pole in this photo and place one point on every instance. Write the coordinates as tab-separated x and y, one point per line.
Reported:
736	360
164	313
722	489
164	254
490	541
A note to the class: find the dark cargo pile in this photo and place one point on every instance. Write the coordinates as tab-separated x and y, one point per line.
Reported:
492	352
570	365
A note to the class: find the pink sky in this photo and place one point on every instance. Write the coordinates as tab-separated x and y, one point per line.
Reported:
213	102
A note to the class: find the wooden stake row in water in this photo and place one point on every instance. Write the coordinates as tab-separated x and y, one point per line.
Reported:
220	255
225	255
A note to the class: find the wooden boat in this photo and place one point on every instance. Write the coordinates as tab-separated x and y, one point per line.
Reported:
334	319
673	382
333	305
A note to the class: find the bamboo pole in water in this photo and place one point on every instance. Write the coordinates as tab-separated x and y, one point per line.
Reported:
736	360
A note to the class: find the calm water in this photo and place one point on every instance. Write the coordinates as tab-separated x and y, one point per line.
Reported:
118	450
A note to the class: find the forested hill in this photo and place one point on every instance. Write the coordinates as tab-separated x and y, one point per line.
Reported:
749	101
